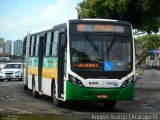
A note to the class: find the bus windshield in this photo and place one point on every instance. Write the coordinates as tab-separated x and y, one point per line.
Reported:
99	52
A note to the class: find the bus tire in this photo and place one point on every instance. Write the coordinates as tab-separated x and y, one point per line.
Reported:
34	92
110	103
25	87
55	101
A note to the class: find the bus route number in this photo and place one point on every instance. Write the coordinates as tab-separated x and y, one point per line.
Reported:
93	83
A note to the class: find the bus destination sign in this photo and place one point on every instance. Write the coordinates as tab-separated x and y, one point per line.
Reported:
99	28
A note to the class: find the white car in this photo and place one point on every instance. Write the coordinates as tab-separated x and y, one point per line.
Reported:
11	71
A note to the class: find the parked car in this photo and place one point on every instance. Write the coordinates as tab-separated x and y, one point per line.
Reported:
11	71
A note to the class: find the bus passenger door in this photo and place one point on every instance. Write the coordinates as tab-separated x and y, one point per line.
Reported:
61	62
40	62
25	61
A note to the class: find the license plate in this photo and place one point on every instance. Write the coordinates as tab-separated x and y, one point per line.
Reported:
102	96
8	76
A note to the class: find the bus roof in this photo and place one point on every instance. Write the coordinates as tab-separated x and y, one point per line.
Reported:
100	20
77	20
41	29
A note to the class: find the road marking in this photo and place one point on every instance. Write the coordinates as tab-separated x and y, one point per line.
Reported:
20	110
7	98
5	85
155	82
12	99
1	109
147	107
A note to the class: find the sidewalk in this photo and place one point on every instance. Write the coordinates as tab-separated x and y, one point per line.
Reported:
149	80
138	72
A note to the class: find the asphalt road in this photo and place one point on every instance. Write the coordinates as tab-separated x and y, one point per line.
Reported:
15	100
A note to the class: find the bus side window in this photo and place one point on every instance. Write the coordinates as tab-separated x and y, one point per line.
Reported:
37	43
32	45
24	46
54	44
44	44
47	46
51	44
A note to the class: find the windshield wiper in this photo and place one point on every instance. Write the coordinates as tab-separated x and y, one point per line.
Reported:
112	43
91	42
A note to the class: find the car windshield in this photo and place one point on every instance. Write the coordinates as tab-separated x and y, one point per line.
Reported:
12	66
101	52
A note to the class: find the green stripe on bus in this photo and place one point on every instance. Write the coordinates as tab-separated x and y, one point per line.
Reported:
74	92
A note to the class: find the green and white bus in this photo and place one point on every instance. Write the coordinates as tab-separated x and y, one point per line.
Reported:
83	59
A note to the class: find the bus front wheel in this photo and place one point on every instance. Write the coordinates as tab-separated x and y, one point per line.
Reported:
110	103
56	102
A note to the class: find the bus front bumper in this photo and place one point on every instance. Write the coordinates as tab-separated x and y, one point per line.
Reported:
73	92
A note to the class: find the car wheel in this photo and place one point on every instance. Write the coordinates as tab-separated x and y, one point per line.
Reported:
9	79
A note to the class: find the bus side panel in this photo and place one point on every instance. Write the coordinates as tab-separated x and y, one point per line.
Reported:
74	92
32	70
49	72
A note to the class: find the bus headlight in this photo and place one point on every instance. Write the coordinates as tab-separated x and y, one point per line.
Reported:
75	81
128	82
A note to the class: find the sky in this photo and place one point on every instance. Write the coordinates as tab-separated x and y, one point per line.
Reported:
17	17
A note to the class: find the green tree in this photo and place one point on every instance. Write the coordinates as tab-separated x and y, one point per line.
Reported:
144	44
143	14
